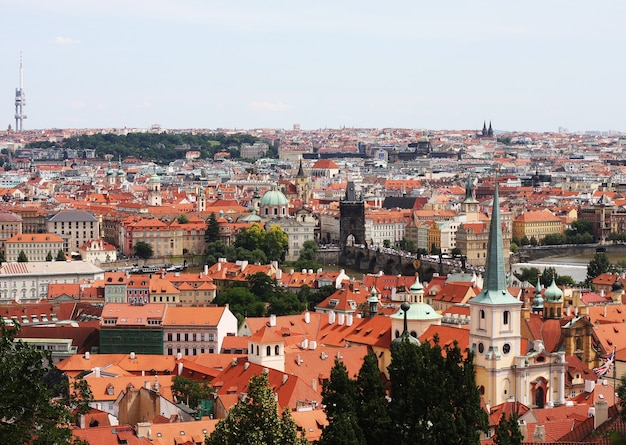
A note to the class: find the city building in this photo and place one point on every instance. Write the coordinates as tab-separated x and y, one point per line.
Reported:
36	247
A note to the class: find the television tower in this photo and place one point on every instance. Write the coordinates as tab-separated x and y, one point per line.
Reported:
20	101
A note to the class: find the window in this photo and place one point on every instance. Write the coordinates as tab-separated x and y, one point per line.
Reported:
277	350
268	351
505	318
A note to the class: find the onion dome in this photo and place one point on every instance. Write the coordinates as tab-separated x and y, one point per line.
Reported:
538	300
617	286
553	293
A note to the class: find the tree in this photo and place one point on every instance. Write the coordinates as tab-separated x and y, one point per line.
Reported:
241	302
276	243
386	243
49	257
525	241
251	238
508	432
339	399
143	250
255	420
60	255
434	397
308	251
529	274
182	219
32	411
190	391
598	265
372	405
22	258
533	241
213	229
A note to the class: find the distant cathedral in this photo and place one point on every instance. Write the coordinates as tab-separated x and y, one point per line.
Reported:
487	132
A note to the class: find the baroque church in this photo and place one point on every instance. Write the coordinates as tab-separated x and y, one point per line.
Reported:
507	368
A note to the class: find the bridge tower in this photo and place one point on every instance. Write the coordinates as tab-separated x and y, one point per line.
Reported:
351	218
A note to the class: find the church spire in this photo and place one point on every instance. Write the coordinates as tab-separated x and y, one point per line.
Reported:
494	286
300	170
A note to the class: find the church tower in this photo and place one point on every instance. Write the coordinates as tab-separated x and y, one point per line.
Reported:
154	191
470	205
534	377
302	185
495	329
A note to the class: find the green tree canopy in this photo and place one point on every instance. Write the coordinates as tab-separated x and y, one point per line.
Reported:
213	228
182	219
276	243
22	258
255	420
339	398
241	302
434	399
143	250
251	238
36	399
49	257
60	255
372	406
598	265
508	432
190	391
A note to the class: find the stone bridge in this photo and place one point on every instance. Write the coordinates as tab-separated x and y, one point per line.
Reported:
392	262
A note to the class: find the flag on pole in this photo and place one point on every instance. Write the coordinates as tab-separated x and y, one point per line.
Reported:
604	369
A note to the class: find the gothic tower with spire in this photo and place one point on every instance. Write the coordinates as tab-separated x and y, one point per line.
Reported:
504	371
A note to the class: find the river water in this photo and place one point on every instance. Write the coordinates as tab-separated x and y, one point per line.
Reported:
574	266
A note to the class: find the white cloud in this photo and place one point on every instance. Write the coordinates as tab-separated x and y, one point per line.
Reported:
268	106
78	105
144	105
60	40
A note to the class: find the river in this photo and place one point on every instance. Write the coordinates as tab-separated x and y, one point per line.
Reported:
574	266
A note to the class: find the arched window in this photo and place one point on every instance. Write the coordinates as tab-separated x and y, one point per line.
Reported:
481	319
257	349
277	350
268	351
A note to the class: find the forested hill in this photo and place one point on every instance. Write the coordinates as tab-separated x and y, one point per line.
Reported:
158	147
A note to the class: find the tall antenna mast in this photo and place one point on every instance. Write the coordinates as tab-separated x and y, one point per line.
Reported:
20	101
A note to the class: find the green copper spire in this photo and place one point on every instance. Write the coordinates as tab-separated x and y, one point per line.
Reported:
494	285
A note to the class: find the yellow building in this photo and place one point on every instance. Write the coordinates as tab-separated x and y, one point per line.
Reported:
537	224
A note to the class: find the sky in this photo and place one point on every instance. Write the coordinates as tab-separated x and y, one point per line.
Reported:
524	66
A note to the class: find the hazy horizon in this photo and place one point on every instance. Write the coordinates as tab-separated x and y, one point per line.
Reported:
532	66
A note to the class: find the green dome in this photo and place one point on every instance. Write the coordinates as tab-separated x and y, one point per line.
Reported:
274	198
553	293
417	312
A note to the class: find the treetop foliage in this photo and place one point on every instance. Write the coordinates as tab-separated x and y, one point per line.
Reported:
157	147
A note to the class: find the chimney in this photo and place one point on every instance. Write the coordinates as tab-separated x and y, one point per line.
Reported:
298	360
206	269
246	365
539	436
349	319
602	412
87	355
144	429
96	371
179	356
146	384
307	317
285	378
272	320
180	368
133	356
312	344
